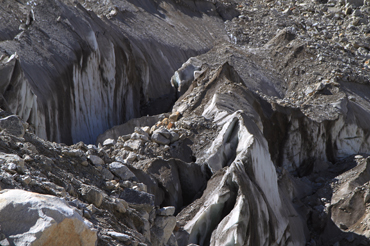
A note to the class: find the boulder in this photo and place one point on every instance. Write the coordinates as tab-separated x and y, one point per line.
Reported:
95	160
133	145
121	171
92	195
131	157
163	131
174	136
13	125
137	197
107	175
162	136
28	218
136	135
159	138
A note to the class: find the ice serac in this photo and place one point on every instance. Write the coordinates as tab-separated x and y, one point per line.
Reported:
261	141
243	206
73	71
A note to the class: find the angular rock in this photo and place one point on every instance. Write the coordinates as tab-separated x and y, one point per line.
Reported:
92	195
107	175
137	197
146	129
136	135
131	157
73	152
159	138
95	160
174	116
121	205
50	221
109	142
133	145
174	136
121	171
142	131
13	125
163	131
166	211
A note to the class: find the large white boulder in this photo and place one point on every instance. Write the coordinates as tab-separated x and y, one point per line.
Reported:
28	218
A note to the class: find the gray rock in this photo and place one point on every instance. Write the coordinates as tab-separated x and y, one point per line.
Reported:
107	175
121	171
95	160
143	131
73	152
109	142
136	135
84	162
48	222
166	211
163	131
174	136
131	157
133	145
13	125
120	205
4	242
92	195
119	236
159	138
137	197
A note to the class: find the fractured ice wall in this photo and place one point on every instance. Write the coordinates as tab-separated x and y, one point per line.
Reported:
74	74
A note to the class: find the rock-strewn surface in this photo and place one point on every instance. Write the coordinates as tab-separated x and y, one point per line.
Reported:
266	144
